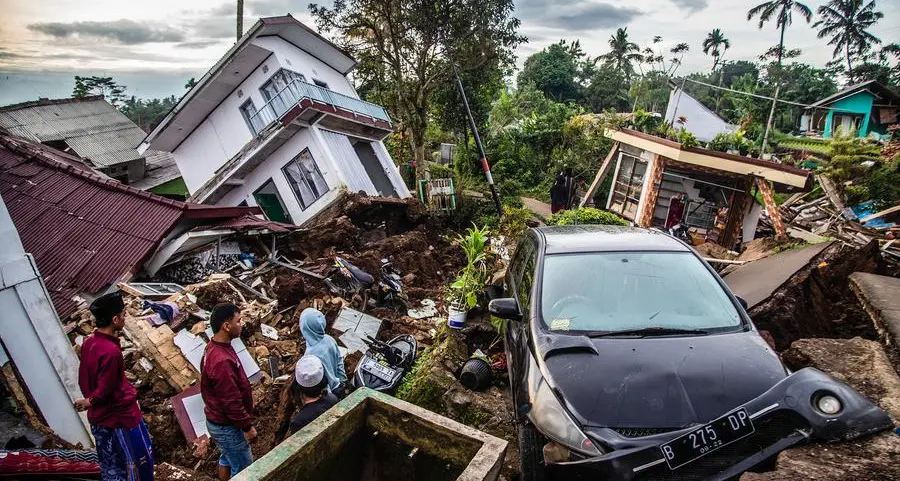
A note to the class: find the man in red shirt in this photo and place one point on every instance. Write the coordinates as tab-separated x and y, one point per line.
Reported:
123	443
227	394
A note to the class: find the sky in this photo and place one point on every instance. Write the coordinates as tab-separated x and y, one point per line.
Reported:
154	47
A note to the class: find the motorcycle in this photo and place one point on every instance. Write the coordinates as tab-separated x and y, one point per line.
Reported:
384	363
680	231
390	288
351	282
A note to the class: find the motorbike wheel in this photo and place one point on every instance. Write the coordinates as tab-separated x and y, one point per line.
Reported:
531	452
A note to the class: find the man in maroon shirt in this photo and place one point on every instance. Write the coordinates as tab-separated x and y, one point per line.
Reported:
227	394
123	443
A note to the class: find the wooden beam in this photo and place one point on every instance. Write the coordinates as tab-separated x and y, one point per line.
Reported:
831	191
598	179
771	206
883	213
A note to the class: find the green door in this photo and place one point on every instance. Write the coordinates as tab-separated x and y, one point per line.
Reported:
270	202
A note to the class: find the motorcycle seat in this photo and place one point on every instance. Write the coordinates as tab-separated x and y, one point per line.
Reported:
360	275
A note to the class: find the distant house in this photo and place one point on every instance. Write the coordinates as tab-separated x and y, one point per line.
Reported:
99	134
866	108
87	232
701	121
276	124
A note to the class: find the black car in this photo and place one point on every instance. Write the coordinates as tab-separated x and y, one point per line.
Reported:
629	358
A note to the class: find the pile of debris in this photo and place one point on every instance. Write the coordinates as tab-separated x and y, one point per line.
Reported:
166	329
829	217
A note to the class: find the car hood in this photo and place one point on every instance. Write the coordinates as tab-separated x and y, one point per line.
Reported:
658	382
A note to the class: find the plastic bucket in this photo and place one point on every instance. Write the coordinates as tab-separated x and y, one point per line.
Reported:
456	317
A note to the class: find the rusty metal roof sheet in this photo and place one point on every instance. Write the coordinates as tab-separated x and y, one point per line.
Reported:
95	130
84	230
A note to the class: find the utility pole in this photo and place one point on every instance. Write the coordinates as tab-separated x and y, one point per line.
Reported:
484	163
240	19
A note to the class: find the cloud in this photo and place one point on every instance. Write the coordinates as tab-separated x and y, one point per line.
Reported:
123	31
198	44
4	54
691	6
582	16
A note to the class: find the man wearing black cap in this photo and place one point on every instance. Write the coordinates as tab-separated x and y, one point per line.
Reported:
123	443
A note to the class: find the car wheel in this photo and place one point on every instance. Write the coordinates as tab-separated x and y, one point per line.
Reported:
531	453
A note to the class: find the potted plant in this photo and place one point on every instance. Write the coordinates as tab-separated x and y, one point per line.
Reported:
464	290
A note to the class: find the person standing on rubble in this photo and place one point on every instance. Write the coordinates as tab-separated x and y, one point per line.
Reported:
310	388
323	346
122	439
227	393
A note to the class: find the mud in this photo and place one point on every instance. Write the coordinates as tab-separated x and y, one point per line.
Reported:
817	301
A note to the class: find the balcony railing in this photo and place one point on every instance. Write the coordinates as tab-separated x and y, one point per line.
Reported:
298	90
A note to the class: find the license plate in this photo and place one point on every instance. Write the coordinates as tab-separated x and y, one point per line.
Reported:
382	372
708	438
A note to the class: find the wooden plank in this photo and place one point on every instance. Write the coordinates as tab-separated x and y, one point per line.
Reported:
598	179
877	215
831	191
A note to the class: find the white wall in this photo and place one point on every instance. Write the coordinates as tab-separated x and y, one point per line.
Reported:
293	58
271	169
701	122
225	132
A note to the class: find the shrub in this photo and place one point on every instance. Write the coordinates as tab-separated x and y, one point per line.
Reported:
584	216
514	222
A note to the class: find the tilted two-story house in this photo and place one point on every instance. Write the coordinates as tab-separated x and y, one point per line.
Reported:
277	123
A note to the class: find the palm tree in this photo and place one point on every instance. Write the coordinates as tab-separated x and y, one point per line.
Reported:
714	41
846	21
622	52
784	10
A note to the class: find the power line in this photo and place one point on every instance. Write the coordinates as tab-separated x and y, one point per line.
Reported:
758	95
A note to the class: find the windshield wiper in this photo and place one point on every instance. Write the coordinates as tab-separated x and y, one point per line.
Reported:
647	332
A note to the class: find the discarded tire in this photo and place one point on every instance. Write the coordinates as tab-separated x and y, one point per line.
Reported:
475	374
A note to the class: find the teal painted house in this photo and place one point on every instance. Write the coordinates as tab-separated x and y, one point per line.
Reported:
868	109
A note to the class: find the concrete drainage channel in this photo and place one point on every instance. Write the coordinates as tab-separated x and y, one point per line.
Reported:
370	436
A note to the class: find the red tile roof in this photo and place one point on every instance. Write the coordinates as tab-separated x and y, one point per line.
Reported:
85	231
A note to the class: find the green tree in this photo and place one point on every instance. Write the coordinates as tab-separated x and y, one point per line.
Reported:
716	45
608	89
845	22
782	11
406	50
147	114
623	53
190	83
105	86
554	71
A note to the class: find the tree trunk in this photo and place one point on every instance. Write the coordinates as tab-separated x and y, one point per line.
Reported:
849	65
777	90
417	143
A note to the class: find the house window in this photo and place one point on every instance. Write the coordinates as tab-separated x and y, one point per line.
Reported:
320	83
254	122
279	91
305	178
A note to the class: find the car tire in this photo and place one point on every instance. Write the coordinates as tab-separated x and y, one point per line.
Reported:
531	453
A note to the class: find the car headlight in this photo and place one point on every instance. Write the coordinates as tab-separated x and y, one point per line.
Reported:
828	404
551	418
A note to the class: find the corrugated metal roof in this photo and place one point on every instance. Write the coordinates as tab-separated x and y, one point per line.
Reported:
84	230
161	168
95	130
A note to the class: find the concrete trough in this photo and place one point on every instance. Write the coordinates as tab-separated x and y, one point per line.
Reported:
370	436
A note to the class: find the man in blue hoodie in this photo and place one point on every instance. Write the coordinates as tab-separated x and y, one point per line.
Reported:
324	347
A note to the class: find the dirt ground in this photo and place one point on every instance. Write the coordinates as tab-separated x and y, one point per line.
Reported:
363	231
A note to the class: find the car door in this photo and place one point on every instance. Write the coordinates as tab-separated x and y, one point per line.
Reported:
520	286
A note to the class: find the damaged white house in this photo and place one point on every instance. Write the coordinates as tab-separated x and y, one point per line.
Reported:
277	124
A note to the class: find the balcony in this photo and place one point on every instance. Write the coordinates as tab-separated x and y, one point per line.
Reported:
317	105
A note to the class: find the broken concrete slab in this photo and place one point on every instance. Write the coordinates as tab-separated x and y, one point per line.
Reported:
756	281
345	442
880	297
863	365
355	327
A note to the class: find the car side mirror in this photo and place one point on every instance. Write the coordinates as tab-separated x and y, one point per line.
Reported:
742	302
505	308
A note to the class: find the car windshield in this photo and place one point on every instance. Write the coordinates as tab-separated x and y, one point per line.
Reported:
619	291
